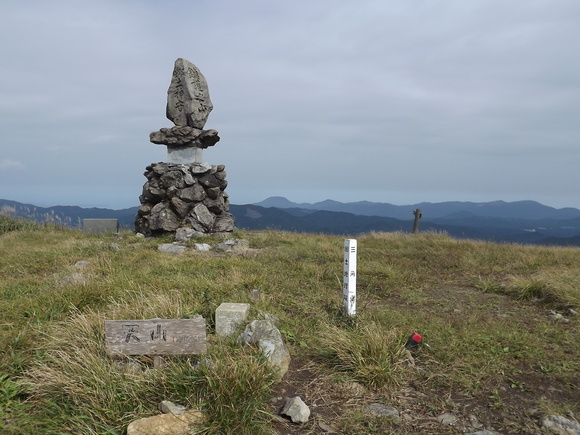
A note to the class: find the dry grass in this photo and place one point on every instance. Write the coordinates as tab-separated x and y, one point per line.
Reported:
472	301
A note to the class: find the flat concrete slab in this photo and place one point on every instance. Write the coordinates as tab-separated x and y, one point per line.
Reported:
229	317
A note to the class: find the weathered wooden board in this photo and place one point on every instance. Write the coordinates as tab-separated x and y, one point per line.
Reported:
156	336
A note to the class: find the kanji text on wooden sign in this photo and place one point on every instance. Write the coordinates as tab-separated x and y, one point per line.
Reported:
156	336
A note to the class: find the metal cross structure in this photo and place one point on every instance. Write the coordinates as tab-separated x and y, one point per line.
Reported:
349	282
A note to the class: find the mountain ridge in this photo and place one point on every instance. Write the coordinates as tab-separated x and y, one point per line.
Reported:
458	219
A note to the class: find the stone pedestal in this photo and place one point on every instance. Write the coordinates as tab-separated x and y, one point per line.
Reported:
184	196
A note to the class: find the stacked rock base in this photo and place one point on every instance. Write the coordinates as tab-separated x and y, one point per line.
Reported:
190	196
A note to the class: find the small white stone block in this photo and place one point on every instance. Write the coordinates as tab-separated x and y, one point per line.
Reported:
229	317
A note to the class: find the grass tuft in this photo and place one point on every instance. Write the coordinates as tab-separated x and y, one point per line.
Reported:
373	354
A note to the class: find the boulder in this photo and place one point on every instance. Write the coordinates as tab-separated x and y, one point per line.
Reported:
166	424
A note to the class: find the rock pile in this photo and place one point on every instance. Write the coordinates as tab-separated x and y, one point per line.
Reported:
185	192
184	196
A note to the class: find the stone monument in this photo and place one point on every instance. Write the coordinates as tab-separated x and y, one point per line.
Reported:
185	192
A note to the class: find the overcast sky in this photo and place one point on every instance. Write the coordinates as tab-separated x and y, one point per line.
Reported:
387	101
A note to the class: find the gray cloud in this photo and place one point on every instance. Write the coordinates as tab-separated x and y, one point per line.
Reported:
373	100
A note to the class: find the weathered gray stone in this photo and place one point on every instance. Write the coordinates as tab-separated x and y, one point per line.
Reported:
216	206
233	245
174	178
264	334
209	180
221	175
188	101
202	247
296	409
214	193
181	207
179	136
166	424
229	317
194	193
200	168
185	234
174	197
559	425
167	407
203	216
172	248
380	410
162	218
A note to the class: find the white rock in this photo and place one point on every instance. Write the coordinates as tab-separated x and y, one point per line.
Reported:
269	339
202	247
296	409
559	425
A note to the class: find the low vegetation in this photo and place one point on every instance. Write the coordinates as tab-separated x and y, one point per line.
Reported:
491	349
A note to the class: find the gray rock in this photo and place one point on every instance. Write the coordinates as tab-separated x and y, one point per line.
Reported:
200	168
162	218
167	407
447	419
172	248
188	101
559	425
224	223
202	247
179	136
296	409
233	245
380	410
203	216
185	234
216	206
558	317
181	207
264	334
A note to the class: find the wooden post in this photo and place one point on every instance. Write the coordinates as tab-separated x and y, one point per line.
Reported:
418	216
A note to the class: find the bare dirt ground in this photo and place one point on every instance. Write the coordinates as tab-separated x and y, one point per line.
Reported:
512	408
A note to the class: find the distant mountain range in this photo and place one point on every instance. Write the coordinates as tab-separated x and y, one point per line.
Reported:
526	222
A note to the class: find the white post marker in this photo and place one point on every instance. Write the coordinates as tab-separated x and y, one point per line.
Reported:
349	282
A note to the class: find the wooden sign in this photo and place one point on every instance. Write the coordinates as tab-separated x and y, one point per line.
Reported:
156	336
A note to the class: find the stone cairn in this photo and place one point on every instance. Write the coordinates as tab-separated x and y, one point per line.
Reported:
186	192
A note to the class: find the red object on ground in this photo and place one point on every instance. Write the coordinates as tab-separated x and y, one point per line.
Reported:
414	340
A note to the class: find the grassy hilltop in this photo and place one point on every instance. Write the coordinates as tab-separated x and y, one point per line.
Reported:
494	352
